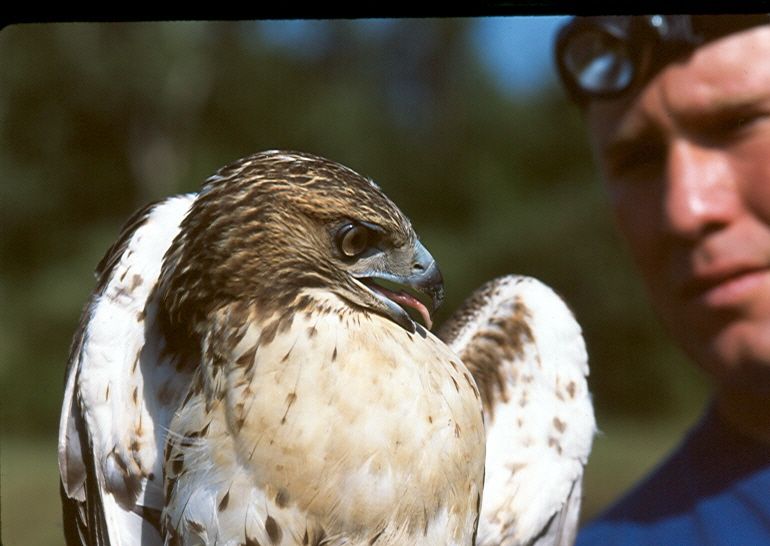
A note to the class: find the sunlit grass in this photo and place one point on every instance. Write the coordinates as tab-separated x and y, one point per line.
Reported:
29	493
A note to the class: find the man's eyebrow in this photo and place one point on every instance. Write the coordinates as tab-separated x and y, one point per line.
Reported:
634	132
731	108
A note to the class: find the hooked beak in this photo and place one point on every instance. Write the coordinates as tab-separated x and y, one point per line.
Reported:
409	273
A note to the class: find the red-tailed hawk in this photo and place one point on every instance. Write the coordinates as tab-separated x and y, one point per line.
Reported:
248	372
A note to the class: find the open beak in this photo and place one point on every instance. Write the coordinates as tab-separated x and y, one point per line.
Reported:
411	280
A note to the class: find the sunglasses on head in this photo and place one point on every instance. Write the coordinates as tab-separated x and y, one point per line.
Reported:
603	57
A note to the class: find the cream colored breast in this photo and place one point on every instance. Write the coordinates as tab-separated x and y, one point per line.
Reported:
355	421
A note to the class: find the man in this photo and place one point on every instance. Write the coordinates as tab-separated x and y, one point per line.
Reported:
678	110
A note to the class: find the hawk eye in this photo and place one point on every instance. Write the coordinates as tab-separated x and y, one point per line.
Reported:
353	240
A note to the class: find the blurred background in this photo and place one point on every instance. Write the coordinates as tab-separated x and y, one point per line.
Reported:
459	120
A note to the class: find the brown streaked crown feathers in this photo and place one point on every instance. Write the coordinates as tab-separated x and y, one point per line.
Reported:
260	230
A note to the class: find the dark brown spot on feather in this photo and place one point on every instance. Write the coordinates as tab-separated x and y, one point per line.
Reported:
135	395
141	315
177	464
251	542
169	489
304	303
136	281
174	538
196	526
571	389
334	354
290	399
222	506
378	535
554	443
273	530
107	393
282	498
559	424
471	384
247	358
268	333
286	356
286	321
311	331
457	430
457	387
195	433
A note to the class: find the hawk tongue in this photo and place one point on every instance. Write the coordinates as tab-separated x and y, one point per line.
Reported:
402	298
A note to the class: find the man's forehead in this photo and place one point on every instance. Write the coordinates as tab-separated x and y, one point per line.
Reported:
729	71
726	75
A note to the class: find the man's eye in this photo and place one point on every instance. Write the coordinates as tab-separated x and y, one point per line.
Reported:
739	124
732	126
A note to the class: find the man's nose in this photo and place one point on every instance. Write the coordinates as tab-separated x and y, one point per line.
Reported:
701	191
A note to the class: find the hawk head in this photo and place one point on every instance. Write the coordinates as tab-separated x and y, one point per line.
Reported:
271	225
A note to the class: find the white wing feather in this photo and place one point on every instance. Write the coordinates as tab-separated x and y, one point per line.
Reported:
528	357
121	391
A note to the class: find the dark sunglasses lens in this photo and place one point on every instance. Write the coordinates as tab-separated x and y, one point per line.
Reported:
598	62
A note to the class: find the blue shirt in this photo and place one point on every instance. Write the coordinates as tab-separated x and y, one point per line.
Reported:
714	490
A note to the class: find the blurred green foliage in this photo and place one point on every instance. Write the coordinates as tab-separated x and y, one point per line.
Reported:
98	119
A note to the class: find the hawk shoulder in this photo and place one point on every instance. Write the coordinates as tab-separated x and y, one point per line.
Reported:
527	354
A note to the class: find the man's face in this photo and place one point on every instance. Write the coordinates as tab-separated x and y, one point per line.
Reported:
687	164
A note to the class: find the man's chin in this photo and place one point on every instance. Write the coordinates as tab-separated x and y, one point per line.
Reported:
736	355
